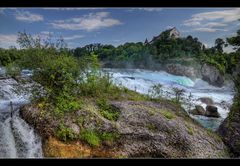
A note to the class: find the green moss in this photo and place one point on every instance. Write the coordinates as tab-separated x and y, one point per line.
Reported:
95	138
190	130
152	127
167	114
109	137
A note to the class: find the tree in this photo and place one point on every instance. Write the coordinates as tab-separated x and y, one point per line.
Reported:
219	43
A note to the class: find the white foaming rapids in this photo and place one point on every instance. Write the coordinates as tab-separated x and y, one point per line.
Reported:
17	138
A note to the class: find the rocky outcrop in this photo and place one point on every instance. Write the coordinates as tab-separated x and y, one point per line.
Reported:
206	100
199	110
181	70
212	111
229	131
212	75
146	129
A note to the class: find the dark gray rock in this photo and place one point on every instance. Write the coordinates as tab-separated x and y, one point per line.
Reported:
229	131
181	70
212	75
199	110
212	111
206	100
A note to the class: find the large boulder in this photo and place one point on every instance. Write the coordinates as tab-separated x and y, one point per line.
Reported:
212	75
229	131
146	129
181	70
212	111
199	110
206	100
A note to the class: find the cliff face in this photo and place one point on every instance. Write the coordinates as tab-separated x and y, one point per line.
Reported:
145	129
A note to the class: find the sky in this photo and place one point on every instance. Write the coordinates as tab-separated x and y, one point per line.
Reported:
81	26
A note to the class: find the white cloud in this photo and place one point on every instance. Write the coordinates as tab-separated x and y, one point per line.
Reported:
208	29
73	37
7	40
92	21
28	17
210	21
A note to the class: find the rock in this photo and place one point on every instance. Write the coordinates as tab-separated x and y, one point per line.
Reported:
199	110
212	111
212	75
75	128
229	131
206	100
181	70
145	129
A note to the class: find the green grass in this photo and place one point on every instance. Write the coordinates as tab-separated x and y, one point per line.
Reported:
91	137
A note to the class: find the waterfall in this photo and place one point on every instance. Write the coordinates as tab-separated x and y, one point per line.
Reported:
17	138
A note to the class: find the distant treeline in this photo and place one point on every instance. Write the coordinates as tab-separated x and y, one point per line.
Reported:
146	55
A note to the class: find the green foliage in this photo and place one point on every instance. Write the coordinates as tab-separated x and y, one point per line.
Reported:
13	70
91	137
64	133
178	94
97	138
106	110
64	105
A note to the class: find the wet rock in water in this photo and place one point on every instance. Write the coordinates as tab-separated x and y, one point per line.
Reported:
212	111
181	70
206	100
199	110
212	75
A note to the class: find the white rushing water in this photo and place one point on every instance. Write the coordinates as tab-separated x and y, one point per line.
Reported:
17	138
142	81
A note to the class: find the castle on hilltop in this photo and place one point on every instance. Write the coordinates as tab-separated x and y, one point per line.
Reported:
170	33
